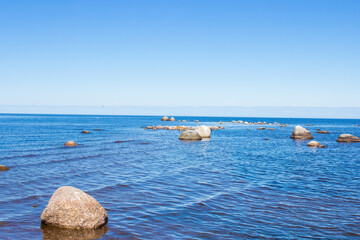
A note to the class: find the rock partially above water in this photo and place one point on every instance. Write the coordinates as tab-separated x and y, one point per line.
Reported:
261	128
203	131
172	119
70	207
323	132
271	129
85	131
301	133
348	138
70	144
315	144
165	118
4	168
190	135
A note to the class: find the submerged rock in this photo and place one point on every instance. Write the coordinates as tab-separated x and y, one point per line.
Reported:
165	118
97	130
315	144
70	144
323	132
85	131
70	207
4	168
348	138
301	133
190	135
203	131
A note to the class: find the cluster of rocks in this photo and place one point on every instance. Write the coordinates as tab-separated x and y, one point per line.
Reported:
301	133
254	123
196	134
165	118
71	208
179	128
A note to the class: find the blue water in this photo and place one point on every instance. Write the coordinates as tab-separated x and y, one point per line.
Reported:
154	186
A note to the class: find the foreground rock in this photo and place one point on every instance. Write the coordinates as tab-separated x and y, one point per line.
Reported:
315	144
203	131
70	207
4	168
348	138
165	118
85	131
191	135
301	133
70	144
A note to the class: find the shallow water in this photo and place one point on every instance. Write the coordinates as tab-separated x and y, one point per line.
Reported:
235	186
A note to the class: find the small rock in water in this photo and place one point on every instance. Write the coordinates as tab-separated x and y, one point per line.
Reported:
315	144
70	144
348	138
85	131
190	135
97	129
4	168
266	139
70	207
271	128
356	125
301	133
261	128
323	132
203	131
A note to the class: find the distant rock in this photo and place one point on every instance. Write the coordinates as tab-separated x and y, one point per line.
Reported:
266	139
348	138
4	168
184	120
282	125
315	144
97	130
233	121
203	131
85	131
323	132
216	128
261	128
172	119
70	207
271	129
165	118
221	122
356	125
70	144
190	135
301	133
196	121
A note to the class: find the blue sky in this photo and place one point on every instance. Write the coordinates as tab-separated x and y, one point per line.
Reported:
180	53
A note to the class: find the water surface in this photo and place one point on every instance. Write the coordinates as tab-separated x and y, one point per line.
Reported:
235	186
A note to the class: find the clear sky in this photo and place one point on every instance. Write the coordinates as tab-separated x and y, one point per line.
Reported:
180	53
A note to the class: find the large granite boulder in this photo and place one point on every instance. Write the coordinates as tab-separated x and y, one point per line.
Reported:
165	118
70	207
348	138
301	133
203	131
315	144
191	135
